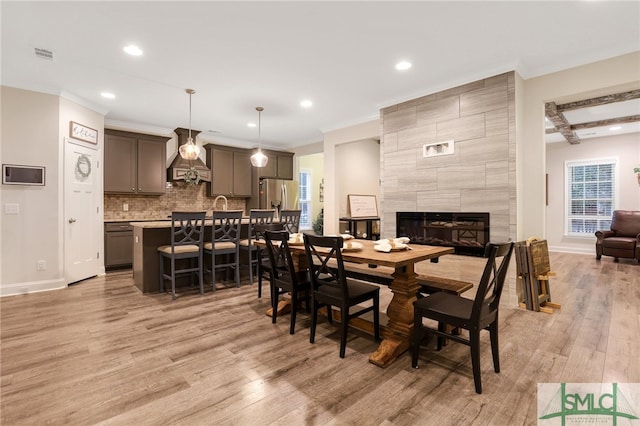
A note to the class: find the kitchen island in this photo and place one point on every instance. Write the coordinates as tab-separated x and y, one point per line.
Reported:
147	237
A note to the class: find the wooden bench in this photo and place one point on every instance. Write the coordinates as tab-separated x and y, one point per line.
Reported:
428	283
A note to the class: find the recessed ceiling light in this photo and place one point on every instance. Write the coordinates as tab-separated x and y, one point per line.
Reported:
306	103
251	124
133	50
614	128
403	65
108	95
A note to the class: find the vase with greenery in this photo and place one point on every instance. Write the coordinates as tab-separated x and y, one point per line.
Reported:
318	224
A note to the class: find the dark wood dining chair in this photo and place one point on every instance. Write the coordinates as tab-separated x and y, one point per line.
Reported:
291	220
284	277
187	237
331	287
225	243
264	264
256	217
475	315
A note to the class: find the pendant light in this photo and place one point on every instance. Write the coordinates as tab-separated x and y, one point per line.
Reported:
189	151
259	159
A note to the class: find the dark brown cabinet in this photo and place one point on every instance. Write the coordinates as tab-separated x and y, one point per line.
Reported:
279	166
134	163
231	171
118	244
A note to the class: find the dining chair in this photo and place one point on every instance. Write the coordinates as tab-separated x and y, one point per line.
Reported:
187	236
291	220
225	242
264	264
331	287
256	217
475	315
284	277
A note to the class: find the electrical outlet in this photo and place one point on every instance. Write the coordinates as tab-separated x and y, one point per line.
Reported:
125	207
41	265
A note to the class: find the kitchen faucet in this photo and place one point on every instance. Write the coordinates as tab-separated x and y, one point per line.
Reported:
215	201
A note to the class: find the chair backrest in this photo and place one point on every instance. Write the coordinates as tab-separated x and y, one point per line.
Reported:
258	217
187	229
490	287
226	226
260	229
291	220
320	250
280	256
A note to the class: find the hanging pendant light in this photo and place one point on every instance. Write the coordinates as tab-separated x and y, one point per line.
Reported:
259	159
189	151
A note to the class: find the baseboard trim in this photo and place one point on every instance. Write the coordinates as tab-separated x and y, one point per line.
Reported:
15	289
576	250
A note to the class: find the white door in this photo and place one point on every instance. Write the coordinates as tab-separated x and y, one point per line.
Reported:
81	220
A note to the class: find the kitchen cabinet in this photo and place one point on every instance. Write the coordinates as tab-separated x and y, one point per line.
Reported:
118	244
134	163
231	171
279	166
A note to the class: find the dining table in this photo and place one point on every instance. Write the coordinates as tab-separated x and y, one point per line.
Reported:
396	335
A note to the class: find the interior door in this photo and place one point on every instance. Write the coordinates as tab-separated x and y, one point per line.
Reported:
81	220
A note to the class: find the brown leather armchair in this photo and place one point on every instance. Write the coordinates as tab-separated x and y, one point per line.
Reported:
623	240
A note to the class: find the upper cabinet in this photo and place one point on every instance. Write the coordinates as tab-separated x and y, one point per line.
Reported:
279	166
231	171
134	163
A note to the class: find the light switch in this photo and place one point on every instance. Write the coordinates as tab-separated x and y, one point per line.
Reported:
125	207
11	208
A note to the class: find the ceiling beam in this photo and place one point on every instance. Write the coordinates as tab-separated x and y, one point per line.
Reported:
599	123
560	122
602	100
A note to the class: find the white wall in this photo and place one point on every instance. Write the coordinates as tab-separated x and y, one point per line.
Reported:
626	148
599	78
33	127
332	174
357	164
314	163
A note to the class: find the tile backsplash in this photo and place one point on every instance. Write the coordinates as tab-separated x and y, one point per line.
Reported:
181	197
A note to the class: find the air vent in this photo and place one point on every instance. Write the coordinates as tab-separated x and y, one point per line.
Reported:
44	54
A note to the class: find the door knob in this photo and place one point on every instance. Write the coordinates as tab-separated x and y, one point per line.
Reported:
72	220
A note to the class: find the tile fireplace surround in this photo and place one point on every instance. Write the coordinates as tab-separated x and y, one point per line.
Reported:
467	233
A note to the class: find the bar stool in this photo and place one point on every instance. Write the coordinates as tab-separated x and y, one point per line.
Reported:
225	241
256	217
187	236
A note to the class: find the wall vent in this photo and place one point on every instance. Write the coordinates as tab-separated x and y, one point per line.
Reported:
44	54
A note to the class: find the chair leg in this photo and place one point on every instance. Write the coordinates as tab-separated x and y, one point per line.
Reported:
173	278
376	317
329	314
201	272
440	339
259	282
161	272
274	302
344	326
474	340
213	271
294	309
417	337
493	334
314	320
250	266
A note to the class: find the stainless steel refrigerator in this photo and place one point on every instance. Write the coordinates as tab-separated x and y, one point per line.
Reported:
278	194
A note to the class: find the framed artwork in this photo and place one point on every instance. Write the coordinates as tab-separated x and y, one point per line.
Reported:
83	133
362	205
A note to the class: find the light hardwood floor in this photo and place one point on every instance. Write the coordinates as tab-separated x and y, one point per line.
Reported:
100	352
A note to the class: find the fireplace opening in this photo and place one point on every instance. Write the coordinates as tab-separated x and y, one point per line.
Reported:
467	233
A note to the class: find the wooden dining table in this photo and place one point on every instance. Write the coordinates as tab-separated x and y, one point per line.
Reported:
398	331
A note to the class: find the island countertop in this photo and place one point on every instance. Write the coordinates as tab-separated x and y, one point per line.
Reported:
167	223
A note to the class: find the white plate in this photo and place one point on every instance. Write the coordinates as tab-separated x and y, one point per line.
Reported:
386	249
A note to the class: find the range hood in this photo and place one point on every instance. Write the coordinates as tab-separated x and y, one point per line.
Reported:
179	165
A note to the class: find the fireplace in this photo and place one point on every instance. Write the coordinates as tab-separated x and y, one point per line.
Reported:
467	233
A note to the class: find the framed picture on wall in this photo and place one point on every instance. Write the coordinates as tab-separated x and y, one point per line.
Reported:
362	205
83	133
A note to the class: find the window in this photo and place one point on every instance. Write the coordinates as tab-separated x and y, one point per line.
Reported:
591	195
305	199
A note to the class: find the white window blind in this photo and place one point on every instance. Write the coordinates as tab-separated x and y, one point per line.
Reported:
305	200
590	194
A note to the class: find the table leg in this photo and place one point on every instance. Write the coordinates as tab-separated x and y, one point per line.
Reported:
397	336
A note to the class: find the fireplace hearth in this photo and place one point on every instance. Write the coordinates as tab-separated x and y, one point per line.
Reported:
467	233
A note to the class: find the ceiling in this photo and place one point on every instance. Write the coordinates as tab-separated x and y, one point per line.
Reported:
340	55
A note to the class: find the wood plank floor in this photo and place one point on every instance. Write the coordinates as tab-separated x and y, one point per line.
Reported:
100	352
